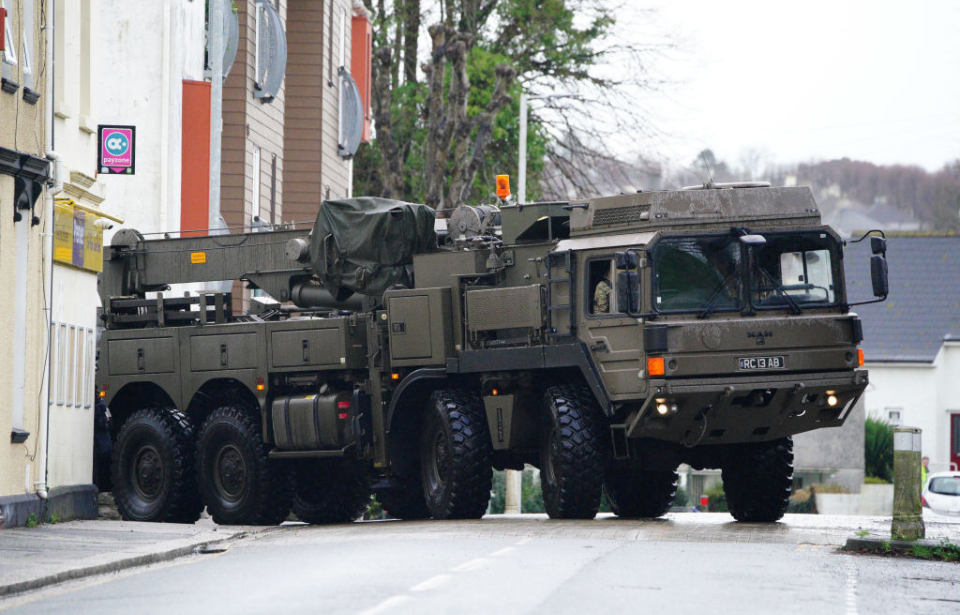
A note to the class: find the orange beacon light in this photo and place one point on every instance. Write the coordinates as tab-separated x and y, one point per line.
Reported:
503	186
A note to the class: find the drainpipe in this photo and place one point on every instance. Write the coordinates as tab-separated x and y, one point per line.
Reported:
216	44
56	164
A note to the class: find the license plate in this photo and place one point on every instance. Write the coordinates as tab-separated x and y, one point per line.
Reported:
755	363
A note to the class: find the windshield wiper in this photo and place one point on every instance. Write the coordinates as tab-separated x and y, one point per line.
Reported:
714	299
779	289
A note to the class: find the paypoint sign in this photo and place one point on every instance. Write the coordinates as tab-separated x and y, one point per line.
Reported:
117	149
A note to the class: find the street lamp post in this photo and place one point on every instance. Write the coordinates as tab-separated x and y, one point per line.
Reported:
514	477
522	172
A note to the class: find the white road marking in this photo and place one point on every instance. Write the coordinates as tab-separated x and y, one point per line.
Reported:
502	551
387	604
851	588
520	543
473	564
431	583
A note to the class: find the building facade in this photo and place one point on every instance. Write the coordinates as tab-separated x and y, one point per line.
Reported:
24	172
912	340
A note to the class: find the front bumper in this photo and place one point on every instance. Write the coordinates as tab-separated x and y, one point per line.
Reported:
730	410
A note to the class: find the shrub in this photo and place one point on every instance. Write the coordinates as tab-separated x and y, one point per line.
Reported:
828	488
875	480
718	499
802	502
878	448
681	498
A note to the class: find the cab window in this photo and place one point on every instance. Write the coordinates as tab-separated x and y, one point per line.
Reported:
602	277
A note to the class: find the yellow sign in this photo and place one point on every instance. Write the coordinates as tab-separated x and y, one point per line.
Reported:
198	258
77	238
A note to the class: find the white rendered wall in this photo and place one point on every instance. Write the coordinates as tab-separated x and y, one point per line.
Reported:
153	47
924	393
71	377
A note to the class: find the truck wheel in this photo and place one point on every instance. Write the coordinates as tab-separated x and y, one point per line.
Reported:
455	456
405	500
153	472
240	485
336	491
571	453
637	493
757	479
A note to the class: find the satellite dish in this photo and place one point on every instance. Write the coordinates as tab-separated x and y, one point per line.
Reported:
351	116
231	35
271	52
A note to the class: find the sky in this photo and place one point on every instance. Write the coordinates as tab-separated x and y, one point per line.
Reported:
816	80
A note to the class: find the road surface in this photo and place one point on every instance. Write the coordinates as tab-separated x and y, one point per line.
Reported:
686	563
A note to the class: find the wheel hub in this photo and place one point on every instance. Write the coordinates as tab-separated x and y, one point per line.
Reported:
549	455
231	472
441	458
148	472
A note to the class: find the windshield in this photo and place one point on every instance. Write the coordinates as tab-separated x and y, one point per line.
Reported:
697	273
795	269
704	274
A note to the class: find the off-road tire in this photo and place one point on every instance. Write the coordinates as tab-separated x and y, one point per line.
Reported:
405	499
239	483
332	491
637	493
571	453
456	456
153	472
758	478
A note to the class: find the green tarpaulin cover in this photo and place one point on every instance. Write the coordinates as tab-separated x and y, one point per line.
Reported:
366	245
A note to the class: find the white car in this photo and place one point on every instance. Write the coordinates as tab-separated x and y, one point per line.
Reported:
942	493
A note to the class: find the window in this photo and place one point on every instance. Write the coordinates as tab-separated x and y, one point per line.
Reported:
793	269
602	287
256	181
697	274
62	365
80	366
54	365
91	369
945	485
894	415
9	48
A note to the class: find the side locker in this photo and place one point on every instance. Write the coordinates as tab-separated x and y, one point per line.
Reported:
420	326
561	295
223	352
144	355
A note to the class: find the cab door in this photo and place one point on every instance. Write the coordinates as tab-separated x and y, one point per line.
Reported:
612	337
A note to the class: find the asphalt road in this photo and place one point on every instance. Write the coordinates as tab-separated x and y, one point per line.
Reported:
687	563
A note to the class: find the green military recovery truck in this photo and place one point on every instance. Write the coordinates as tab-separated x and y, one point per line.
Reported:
605	341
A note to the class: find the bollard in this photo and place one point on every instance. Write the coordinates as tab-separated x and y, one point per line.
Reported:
907	512
514	483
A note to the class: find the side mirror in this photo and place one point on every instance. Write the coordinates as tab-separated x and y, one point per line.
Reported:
753	240
878	245
625	260
628	292
878	274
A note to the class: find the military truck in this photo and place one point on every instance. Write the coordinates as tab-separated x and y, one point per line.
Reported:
605	341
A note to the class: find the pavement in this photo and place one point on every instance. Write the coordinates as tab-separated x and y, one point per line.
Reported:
34	558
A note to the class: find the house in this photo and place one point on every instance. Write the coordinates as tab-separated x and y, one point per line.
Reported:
912	340
283	146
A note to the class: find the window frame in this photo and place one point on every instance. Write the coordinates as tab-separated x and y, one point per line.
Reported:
655	280
588	296
836	258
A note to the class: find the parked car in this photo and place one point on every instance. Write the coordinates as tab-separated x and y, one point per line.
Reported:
941	494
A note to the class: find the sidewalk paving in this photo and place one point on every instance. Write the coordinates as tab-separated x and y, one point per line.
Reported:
31	558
